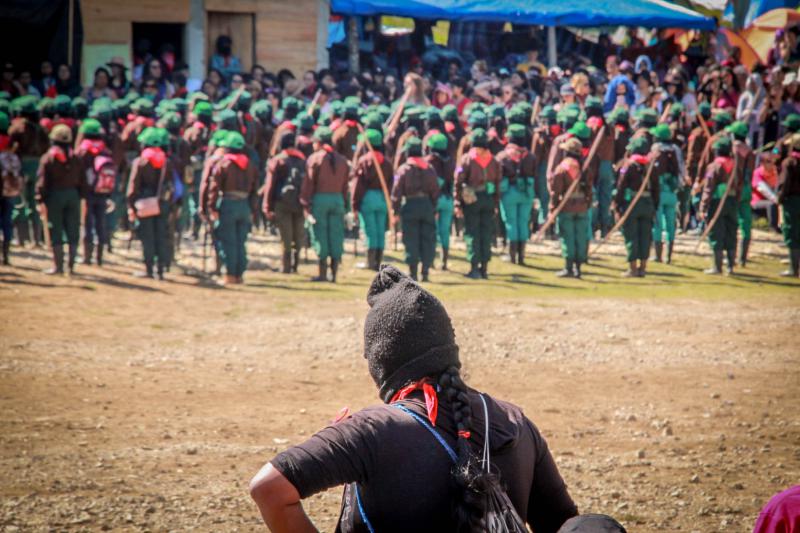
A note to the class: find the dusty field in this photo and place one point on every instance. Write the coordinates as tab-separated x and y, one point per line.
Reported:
670	402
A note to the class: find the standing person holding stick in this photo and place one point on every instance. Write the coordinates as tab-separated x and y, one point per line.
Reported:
367	199
639	209
667	171
477	197
720	199
438	147
789	200
60	185
414	195
573	219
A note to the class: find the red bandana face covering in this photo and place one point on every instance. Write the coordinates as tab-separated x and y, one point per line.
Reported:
240	160
431	399
155	156
418	162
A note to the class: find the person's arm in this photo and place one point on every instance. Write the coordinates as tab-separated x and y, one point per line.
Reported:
279	502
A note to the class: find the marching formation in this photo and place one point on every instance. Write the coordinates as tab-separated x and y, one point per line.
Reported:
498	175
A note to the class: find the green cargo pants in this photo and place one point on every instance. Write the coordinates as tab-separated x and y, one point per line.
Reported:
478	228
638	230
419	231
574	234
373	216
327	232
723	235
64	216
231	231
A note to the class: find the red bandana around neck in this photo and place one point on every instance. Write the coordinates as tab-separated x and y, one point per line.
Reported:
58	153
92	146
240	160
641	159
199	125
155	156
294	153
328	148
378	156
725	161
303	139
351	123
584	152
595	122
555	130
515	152
147	122
449	127
431	399
620	127
418	162
5	141
483	159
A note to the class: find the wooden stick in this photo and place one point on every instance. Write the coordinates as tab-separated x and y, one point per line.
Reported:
394	120
45	225
552	217
537	107
313	103
665	113
711	224
628	211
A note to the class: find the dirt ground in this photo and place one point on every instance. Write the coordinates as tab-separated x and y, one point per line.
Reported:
670	402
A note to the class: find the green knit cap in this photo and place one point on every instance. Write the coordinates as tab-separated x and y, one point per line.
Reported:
661	133
479	138
722	145
91	126
413	144
676	110
478	119
413	113
548	112
375	137
497	111
593	102
739	130
154	137
217	137
373	121
647	117
722	119
438	142
581	131
433	113
517	116
705	110
63	104
24	104
517	132
142	105
262	110
46	105
791	122
232	140
290	102
638	145
304	122
450	113
619	115
202	109
323	134
226	115
170	121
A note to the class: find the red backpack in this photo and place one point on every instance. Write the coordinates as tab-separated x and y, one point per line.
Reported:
105	175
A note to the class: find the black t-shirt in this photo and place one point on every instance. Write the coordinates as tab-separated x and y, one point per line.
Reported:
403	474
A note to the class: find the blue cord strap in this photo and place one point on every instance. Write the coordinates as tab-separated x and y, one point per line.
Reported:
433	432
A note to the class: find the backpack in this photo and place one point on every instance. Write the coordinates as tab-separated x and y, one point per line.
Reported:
11	173
105	175
290	189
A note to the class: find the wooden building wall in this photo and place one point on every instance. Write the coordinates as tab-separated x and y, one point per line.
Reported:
285	30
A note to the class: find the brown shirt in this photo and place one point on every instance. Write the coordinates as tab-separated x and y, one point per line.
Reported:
205	178
717	173
345	139
445	168
789	178
197	135
403	473
230	179
470	173
55	175
516	162
145	178
414	179
279	169
694	151
631	176
541	143
366	178
622	136
567	171
326	172
27	138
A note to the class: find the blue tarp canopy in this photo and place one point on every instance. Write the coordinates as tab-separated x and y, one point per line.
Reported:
582	13
758	8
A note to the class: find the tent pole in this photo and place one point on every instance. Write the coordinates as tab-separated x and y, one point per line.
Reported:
70	30
552	59
352	44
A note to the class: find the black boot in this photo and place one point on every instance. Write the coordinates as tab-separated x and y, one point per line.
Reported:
286	262
148	271
37	233
716	269
372	259
659	248
567	271
425	273
474	272
87	252
794	264
670	246
6	251
412	271
578	269
512	252
743	251
484	271
100	255
161	267
323	271
731	260
58	261
295	261
445	256
73	254
521	253
334	269
378	258
23	232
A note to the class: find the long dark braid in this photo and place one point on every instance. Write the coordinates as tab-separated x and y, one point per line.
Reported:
471	483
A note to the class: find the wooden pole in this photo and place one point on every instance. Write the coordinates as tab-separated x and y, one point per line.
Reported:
394	120
378	168
313	103
70	31
628	211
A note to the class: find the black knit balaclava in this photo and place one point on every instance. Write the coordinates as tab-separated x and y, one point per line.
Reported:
407	333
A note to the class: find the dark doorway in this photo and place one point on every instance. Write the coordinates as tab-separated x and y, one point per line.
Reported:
164	41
